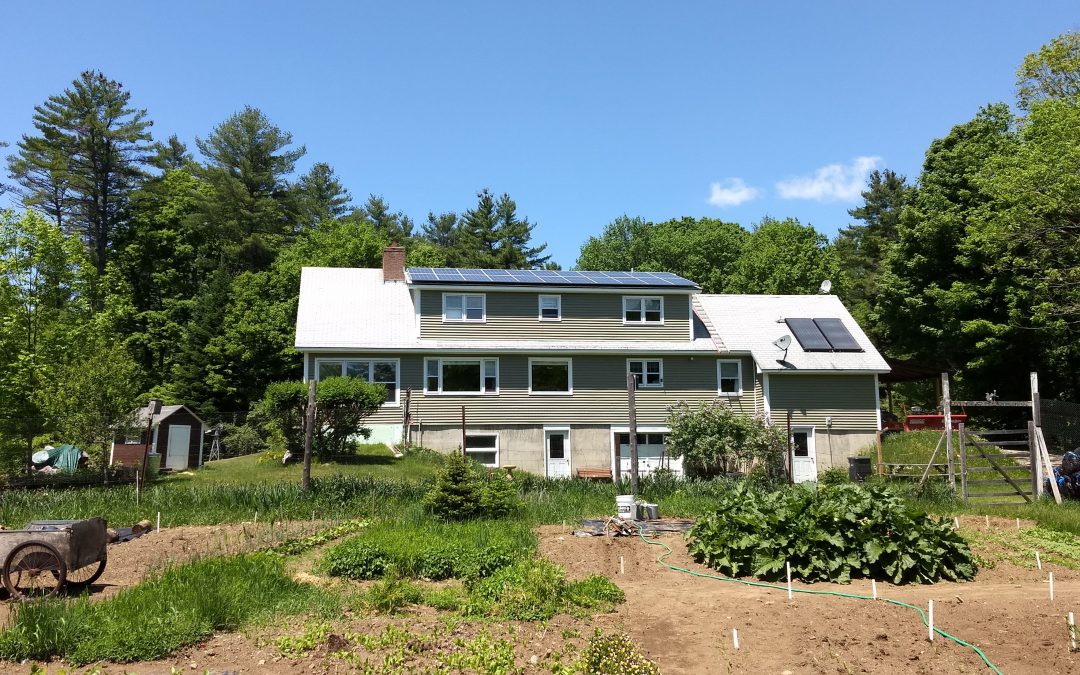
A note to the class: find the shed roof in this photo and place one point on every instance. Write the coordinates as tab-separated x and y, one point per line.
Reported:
166	410
751	323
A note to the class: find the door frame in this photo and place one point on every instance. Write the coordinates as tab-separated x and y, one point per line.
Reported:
811	445
567	449
642	429
169	447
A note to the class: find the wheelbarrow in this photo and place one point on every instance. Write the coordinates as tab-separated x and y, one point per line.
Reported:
51	556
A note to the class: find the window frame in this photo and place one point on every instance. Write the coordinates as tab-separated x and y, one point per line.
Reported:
464	307
484	434
482	360
640	299
371	361
553	359
643	361
720	378
540	307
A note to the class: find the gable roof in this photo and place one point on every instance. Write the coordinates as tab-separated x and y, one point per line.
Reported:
751	323
166	410
351	308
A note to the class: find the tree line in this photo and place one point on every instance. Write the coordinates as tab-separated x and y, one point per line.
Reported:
138	267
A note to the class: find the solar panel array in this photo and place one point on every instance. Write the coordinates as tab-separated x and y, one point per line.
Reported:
823	335
424	275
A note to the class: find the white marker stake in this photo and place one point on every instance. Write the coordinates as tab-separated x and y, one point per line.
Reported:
930	621
1038	560
1017	523
256	518
789	595
873	587
956	523
622	565
735	637
159	522
1072	632
988	522
1051	587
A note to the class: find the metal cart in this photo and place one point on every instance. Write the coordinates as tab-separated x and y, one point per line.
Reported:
49	556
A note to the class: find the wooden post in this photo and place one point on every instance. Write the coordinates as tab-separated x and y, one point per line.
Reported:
631	388
406	421
1040	440
790	452
463	431
946	406
1035	462
309	432
880	456
963	464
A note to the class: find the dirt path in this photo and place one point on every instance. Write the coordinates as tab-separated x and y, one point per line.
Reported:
684	623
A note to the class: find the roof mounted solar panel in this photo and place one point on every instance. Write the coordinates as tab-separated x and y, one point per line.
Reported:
429	275
838	335
810	337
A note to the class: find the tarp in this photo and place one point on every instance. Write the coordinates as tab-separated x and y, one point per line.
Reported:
65	457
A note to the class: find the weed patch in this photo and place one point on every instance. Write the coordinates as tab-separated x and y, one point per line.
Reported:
536	590
615	655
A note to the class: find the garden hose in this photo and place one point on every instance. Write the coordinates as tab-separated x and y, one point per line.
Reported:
759	584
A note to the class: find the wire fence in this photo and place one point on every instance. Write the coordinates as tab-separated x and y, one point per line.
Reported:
1061	425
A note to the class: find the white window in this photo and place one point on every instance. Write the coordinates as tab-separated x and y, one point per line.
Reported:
457	307
647	372
484	448
729	378
376	371
551	376
637	309
461	376
550	307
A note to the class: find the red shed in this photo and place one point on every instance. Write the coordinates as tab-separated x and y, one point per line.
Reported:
176	434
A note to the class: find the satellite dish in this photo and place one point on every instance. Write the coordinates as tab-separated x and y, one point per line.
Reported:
783	343
826	286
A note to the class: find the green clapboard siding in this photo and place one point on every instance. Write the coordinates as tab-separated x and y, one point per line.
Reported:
599	393
585	316
849	399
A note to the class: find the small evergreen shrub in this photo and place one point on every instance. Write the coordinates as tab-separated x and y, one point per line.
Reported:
464	490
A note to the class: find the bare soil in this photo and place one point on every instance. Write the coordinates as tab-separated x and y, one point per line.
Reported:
684	623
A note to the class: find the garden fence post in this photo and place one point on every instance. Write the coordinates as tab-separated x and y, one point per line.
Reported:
309	432
631	387
946	405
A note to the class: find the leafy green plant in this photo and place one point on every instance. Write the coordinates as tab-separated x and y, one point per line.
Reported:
392	594
832	533
343	405
536	590
356	559
464	490
615	655
834	476
304	544
715	440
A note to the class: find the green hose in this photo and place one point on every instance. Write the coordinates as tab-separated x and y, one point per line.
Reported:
758	584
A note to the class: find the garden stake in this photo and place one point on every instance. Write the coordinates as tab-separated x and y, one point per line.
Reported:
1072	633
159	522
873	587
1038	560
956	523
789	596
1051	587
930	621
1017	523
622	567
988	522
256	521
735	637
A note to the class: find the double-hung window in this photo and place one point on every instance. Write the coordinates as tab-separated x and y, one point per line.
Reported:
551	376
647	372
461	307
550	307
729	378
643	309
484	448
376	371
461	376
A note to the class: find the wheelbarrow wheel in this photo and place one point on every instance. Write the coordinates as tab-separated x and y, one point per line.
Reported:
81	578
34	570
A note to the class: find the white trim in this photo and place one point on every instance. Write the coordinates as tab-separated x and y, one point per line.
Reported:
305	355
877	401
690	312
417	299
569	377
729	394
811	445
202	441
567	450
464	308
795	371
540	307
646	429
480	360
548	288
765	398
396	403
643	322
495	434
645	359
539	348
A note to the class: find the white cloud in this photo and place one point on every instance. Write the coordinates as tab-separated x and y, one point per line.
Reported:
830	183
731	192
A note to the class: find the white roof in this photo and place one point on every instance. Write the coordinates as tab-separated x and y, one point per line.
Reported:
751	323
350	308
166	410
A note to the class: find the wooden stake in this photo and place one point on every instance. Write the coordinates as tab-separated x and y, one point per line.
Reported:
880	456
631	404
956	523
622	565
159	522
1072	633
873	587
1038	560
946	404
1018	524
1051	587
256	521
789	596
930	621
309	432
988	522
735	637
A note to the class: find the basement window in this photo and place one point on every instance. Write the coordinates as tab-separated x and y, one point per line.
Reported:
483	448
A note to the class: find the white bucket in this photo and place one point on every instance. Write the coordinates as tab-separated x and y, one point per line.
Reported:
625	507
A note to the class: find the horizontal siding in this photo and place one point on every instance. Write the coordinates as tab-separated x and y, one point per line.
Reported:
849	399
599	396
585	316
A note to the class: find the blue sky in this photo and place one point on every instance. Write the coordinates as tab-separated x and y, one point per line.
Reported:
582	111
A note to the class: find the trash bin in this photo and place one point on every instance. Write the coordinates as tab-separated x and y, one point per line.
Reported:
859	469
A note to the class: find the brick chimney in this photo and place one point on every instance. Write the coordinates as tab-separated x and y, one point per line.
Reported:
393	263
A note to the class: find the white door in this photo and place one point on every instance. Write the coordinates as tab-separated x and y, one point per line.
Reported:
557	453
804	456
176	456
652	453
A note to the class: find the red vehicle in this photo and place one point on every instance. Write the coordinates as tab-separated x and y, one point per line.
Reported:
933	422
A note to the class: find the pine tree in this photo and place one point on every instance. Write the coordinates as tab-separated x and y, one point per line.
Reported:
322	196
397	226
478	243
171	155
514	237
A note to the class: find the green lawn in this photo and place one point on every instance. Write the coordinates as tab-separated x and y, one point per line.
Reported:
372	460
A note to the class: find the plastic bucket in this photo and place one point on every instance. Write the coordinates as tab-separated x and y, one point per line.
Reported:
652	511
625	507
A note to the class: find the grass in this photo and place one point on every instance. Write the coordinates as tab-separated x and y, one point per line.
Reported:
181	606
